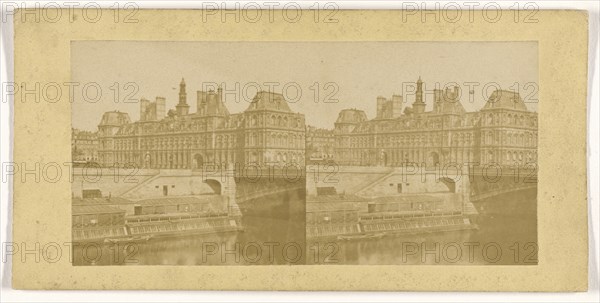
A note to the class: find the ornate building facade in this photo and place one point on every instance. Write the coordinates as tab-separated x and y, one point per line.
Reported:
504	132
266	133
320	144
84	145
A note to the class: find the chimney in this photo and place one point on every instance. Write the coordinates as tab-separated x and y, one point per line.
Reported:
380	106
437	100
143	108
200	102
396	106
456	94
160	108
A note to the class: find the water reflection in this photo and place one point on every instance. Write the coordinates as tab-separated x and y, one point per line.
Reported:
274	234
507	234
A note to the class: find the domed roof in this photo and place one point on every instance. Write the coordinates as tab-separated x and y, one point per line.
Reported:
351	116
505	99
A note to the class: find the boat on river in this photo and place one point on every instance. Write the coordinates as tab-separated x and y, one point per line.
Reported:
360	236
135	239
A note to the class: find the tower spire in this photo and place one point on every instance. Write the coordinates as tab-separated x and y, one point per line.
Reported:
182	107
419	105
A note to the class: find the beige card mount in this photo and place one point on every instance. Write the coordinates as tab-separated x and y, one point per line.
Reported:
368	150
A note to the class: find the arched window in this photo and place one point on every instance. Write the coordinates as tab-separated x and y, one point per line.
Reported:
218	141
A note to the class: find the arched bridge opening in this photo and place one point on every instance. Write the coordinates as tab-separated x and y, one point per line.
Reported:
450	183
214	185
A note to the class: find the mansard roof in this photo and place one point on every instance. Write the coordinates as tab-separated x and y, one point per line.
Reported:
447	106
269	101
211	104
128	129
311	130
114	118
351	116
505	99
83	134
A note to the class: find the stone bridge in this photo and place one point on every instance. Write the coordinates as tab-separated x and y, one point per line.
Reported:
471	183
138	184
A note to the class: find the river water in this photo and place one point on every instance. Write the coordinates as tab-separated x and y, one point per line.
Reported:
274	234
507	235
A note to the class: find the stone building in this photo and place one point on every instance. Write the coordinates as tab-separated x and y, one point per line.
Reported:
504	131
84	145
320	144
266	133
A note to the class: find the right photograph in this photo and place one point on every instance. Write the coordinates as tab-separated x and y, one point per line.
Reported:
441	170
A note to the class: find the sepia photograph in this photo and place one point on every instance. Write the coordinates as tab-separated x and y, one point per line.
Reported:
246	150
436	164
362	153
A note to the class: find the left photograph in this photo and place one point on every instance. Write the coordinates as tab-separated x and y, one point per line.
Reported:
166	173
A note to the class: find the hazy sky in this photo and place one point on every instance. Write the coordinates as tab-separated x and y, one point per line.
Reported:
359	71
